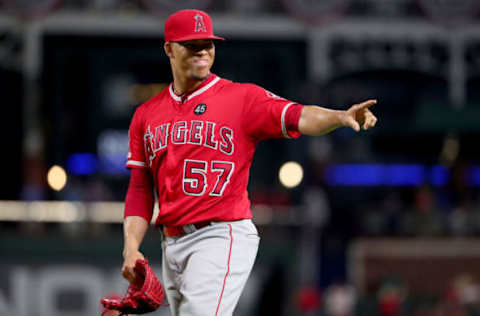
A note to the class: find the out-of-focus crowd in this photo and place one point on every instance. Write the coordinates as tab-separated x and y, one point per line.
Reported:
392	298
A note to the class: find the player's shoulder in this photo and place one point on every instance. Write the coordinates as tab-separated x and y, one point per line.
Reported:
236	84
252	91
245	91
240	86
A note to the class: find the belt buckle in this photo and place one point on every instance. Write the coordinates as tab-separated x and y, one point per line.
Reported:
188	229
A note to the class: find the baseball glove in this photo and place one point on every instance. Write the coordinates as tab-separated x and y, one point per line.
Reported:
143	296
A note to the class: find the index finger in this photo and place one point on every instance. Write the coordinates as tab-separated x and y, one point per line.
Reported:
367	104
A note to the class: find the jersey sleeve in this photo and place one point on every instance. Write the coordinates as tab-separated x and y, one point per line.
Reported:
136	153
267	115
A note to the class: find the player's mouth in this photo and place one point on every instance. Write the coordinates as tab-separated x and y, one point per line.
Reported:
200	62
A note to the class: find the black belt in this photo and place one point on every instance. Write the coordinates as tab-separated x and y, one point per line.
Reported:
175	231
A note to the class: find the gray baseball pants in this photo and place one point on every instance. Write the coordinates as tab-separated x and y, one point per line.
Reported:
204	272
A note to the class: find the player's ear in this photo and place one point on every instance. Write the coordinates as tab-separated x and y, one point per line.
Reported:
168	49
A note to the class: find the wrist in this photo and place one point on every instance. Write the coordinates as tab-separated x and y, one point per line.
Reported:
342	118
129	249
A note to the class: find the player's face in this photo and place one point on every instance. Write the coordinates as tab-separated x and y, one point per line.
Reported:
193	59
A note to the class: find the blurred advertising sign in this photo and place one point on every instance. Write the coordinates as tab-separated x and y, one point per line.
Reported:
76	289
54	290
316	12
30	9
169	6
450	11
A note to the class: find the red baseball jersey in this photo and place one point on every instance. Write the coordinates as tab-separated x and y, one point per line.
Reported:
199	147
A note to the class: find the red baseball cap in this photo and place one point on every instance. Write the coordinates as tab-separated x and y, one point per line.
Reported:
186	25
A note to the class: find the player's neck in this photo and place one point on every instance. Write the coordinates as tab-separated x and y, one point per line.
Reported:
183	85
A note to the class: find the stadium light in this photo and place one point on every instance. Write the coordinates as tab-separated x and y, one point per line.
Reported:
56	178
290	174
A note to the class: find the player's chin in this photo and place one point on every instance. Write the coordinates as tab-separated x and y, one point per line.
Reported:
200	74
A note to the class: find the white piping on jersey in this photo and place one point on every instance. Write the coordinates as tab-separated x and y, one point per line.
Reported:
135	163
173	95
284	128
199	91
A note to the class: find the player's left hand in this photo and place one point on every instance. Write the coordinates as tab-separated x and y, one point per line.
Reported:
128	268
359	115
143	296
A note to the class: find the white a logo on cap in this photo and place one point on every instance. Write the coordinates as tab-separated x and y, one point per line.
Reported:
199	24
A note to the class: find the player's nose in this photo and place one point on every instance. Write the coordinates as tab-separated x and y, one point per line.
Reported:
201	53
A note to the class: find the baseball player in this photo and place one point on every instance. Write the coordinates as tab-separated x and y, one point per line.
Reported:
192	146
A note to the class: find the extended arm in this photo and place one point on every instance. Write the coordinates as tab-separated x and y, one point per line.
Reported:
315	120
138	213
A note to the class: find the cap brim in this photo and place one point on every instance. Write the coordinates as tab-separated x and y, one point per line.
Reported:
198	37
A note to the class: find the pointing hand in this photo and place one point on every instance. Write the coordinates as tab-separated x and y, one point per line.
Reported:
359	115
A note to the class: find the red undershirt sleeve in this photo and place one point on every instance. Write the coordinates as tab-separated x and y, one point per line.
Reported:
139	200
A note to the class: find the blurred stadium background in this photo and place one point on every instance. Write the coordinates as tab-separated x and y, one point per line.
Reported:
384	222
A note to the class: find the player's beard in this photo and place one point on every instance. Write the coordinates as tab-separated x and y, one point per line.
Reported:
198	77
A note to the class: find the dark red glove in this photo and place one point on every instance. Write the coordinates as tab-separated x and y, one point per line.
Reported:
143	296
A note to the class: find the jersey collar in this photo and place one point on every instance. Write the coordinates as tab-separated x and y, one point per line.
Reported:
207	84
